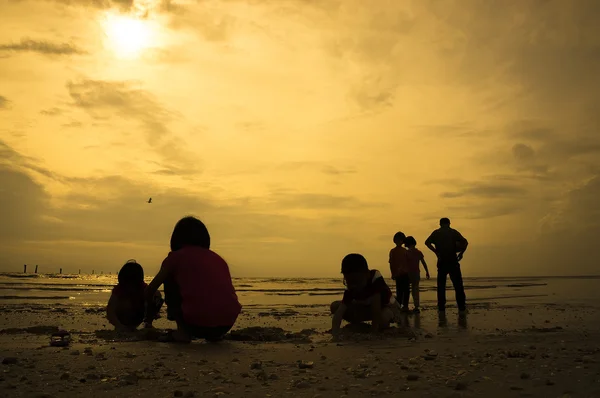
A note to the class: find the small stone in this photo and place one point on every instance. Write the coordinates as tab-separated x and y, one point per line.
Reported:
549	383
256	365
525	376
273	377
245	375
262	375
178	393
306	364
460	386
65	376
516	388
92	376
130	355
428	336
235	360
75	352
323	357
412	377
190	394
302	384
88	351
10	361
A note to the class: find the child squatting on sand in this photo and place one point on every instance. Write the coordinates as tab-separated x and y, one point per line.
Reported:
199	292
367	297
127	308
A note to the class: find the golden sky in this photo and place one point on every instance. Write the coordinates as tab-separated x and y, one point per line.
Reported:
300	131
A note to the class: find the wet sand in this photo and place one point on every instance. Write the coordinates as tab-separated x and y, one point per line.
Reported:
497	351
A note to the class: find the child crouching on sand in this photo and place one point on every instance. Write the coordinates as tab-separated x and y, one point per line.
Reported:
199	292
127	308
367	297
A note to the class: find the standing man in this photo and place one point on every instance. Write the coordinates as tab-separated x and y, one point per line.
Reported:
449	246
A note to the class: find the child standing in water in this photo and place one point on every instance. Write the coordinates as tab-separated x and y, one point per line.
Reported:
399	270
199	292
367	296
414	257
127	309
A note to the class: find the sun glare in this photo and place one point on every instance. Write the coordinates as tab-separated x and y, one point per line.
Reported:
129	36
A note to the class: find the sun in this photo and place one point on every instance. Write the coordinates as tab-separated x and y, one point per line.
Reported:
129	36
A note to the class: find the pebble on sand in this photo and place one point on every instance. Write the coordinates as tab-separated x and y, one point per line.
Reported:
412	377
306	364
256	365
460	386
302	384
9	361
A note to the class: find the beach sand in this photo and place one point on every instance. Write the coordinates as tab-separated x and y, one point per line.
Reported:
502	351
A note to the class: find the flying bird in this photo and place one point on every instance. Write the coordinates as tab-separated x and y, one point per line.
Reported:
150	200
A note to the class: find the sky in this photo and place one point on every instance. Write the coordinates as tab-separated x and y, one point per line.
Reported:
300	131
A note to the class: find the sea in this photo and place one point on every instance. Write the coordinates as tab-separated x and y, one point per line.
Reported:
277	293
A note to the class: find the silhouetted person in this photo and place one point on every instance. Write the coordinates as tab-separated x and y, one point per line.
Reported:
399	269
150	200
449	246
199	292
127	307
367	297
415	259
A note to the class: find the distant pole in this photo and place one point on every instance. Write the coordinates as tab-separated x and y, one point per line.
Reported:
80	272
36	268
25	268
60	271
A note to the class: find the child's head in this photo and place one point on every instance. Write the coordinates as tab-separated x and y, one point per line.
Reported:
399	238
410	242
356	271
131	274
189	231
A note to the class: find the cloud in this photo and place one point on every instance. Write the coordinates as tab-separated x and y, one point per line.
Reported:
42	47
137	6
103	99
4	102
321	167
111	212
494	187
10	158
293	200
523	152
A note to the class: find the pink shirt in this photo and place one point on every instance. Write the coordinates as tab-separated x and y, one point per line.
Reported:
207	293
414	257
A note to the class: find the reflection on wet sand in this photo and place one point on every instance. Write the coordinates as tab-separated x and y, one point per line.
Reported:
462	321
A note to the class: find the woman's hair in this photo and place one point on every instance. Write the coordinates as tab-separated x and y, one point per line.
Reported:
189	231
354	262
410	241
131	274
